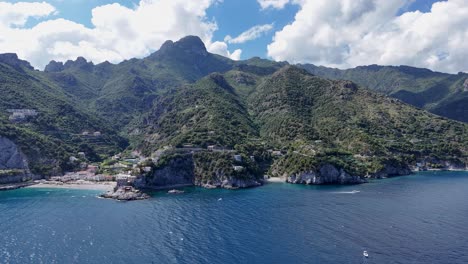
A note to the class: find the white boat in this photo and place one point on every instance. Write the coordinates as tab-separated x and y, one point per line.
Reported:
174	191
365	254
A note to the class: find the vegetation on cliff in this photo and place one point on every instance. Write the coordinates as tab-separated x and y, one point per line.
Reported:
182	97
440	93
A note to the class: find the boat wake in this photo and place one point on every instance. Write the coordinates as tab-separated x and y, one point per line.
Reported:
351	192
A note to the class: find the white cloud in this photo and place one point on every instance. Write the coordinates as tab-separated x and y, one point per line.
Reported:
221	48
347	33
251	34
277	4
118	32
17	14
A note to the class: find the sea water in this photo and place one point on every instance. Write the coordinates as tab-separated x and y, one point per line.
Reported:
421	218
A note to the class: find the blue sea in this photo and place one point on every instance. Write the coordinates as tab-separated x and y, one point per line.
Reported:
421	218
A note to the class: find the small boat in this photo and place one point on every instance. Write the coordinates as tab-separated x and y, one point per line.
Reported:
365	254
175	191
220	199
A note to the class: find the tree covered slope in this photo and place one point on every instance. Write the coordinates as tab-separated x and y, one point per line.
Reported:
440	93
59	122
280	116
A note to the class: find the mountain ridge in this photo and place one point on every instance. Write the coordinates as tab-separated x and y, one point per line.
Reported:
440	93
287	121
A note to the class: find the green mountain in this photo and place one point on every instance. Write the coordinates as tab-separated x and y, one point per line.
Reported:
366	130
53	130
192	112
440	93
209	112
313	121
122	92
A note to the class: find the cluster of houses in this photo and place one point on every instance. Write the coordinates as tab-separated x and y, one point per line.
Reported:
20	115
86	175
120	171
238	159
90	175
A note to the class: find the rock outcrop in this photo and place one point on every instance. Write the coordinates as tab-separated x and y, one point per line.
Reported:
326	174
190	45
54	66
183	170
125	193
228	183
13	60
11	156
13	163
80	63
391	170
177	171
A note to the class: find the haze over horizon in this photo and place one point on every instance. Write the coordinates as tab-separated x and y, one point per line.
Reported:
338	33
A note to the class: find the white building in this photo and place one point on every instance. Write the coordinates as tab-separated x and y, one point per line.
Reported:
238	158
238	168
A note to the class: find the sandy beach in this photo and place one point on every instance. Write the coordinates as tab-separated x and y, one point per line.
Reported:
105	186
276	179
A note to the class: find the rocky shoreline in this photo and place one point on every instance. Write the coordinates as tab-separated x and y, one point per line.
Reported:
326	174
14	186
125	193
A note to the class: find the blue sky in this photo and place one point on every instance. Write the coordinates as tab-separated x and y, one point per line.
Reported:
320	35
232	16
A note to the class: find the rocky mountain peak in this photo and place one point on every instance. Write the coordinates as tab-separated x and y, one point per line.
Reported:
13	60
190	45
58	66
54	66
80	62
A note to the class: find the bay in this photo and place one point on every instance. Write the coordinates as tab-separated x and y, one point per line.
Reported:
413	219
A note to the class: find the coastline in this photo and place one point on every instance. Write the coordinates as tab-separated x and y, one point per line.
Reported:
107	186
415	171
276	180
168	187
14	186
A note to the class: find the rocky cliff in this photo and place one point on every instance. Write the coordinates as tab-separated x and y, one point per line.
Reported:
208	170
13	163
391	170
11	156
176	171
13	60
222	180
326	174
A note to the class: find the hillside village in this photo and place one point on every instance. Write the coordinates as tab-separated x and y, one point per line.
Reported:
126	168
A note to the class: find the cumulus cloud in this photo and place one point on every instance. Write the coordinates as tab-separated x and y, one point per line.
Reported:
276	4
17	14
251	34
118	32
348	33
221	48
